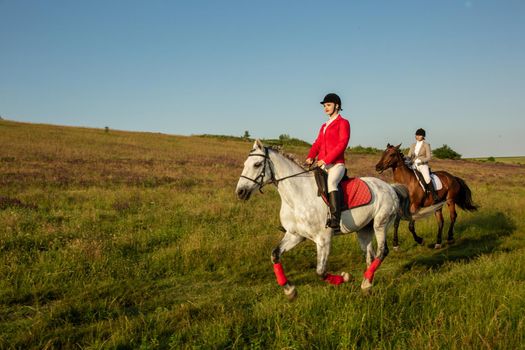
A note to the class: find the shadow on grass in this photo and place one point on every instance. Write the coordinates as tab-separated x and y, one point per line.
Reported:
488	232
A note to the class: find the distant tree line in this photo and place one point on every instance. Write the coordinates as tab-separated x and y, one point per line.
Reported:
286	140
445	152
363	150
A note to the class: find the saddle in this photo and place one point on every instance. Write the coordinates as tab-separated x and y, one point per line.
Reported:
355	192
436	181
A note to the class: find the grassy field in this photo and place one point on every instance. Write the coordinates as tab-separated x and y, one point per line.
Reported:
118	240
507	160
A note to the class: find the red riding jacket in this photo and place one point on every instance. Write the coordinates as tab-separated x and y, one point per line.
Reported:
330	145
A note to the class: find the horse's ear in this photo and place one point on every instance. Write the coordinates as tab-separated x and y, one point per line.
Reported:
388	145
258	144
397	147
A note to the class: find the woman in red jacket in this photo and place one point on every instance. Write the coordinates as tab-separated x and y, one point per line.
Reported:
329	148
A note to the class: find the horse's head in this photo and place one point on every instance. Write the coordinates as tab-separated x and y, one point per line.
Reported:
390	158
257	171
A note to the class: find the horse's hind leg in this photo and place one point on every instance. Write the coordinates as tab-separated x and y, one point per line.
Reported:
380	230
288	242
453	216
364	236
439	218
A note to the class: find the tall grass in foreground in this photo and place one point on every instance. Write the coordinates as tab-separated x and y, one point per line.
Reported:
136	240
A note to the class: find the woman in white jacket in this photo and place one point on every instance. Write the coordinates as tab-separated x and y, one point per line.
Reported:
420	154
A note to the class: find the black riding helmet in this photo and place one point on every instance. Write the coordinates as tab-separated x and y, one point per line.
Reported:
333	98
420	132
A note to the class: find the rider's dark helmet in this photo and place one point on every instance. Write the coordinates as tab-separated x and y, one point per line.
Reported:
331	97
420	132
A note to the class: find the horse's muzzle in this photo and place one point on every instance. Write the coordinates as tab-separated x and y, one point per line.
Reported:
243	193
379	168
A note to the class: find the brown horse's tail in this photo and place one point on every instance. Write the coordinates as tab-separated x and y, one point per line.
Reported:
464	199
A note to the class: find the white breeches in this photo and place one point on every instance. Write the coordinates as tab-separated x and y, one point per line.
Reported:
423	169
335	174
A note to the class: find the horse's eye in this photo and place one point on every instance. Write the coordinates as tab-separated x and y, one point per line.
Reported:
258	164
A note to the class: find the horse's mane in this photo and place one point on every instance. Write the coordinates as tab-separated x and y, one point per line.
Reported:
403	158
398	151
288	156
406	161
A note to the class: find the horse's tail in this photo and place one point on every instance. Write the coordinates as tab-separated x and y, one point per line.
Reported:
404	200
464	199
404	205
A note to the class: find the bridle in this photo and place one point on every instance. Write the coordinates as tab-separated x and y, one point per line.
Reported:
259	180
400	158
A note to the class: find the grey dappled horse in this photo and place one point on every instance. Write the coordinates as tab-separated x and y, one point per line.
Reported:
303	214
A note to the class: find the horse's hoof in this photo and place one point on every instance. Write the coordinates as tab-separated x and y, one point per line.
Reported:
396	248
437	246
346	276
290	291
366	286
451	241
420	241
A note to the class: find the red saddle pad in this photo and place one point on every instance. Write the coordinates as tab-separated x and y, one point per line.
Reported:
356	192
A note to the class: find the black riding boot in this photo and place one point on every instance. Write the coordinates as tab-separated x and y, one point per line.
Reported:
335	210
430	189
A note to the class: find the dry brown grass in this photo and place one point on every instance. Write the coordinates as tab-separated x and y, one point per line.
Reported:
114	158
152	160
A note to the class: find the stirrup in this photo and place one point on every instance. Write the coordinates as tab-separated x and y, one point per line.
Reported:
337	229
335	225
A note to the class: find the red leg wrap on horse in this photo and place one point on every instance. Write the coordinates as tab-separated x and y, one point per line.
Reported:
369	273
334	279
279	273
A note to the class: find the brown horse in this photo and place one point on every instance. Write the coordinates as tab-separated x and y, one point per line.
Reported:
454	191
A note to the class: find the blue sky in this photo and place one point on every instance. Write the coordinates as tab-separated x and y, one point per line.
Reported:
455	68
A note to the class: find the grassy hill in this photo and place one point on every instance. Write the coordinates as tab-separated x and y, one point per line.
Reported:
507	160
136	240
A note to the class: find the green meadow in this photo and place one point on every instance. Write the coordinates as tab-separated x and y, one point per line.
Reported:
121	240
508	160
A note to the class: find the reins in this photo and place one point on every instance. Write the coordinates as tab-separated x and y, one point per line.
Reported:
272	174
294	175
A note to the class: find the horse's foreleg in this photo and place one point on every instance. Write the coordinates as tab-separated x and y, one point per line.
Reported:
439	218
288	242
414	207
324	243
412	229
453	216
396	228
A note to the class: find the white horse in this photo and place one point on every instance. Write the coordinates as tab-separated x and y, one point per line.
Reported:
303	214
